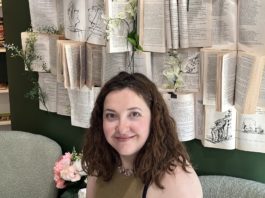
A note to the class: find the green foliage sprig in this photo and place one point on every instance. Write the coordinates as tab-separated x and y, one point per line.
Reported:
28	55
51	30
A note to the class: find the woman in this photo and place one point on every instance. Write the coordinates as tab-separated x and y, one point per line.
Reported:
132	148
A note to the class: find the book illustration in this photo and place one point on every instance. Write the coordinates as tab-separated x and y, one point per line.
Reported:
250	126
221	129
96	25
191	64
74	17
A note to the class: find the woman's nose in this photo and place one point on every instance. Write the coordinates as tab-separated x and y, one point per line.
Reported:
123	126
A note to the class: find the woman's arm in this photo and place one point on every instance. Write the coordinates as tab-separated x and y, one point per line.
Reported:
91	185
178	184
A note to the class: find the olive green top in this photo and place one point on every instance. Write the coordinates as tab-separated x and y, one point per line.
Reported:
120	186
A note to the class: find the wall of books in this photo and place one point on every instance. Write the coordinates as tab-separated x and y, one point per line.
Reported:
206	56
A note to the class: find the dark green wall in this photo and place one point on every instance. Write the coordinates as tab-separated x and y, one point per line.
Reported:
27	117
248	165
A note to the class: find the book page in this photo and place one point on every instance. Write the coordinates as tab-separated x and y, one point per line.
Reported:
248	81
174	22
209	76
183	23
75	54
190	67
82	103
168	24
63	106
199	23
142	64
225	81
261	102
96	27
251	131
75	18
224	24
199	116
42	49
53	52
46	13
48	86
113	63
182	110
94	65
158	65
152	32
61	59
251	34
117	38
220	128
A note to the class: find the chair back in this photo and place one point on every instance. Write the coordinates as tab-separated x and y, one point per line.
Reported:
26	167
217	186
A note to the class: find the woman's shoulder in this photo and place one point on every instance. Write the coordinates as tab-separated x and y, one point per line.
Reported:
179	183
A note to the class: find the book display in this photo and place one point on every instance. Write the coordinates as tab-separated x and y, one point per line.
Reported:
207	58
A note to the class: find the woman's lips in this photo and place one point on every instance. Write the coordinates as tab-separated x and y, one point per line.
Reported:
124	139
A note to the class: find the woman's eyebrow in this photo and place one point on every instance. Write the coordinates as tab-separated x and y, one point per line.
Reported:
111	110
134	108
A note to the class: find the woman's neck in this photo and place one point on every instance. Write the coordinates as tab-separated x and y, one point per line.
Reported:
127	162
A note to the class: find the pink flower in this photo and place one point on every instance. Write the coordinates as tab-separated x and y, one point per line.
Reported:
70	174
60	184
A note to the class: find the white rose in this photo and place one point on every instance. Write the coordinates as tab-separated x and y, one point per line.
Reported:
78	167
69	173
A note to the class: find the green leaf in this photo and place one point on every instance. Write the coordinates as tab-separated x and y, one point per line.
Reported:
139	48
132	41
132	34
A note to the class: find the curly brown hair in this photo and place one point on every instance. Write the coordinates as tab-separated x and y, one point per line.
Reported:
162	152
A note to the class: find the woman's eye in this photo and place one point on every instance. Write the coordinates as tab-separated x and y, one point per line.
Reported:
110	116
135	114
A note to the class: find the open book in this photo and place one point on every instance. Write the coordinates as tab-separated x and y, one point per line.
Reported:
232	130
83	21
239	24
219	75
77	103
82	103
113	63
118	31
46	14
44	48
226	130
177	24
187	111
189	65
232	78
80	64
54	97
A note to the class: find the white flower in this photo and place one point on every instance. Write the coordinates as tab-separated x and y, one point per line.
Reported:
78	167
173	72
121	15
69	173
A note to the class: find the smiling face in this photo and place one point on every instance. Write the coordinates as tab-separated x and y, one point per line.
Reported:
126	122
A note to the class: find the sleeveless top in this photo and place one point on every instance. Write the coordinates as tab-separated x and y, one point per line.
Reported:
120	186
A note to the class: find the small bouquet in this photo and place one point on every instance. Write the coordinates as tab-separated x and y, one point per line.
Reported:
68	173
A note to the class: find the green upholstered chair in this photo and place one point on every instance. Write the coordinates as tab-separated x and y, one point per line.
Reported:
216	186
26	167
